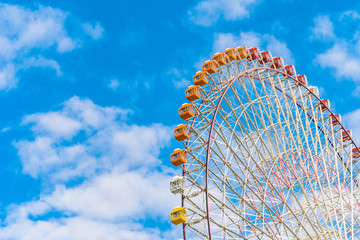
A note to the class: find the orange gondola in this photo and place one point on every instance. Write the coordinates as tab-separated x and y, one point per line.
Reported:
178	157
209	66
186	111
219	58
200	78
242	52
231	54
192	93
181	132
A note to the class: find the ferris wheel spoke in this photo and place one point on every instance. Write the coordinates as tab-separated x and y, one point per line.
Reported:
289	114
335	155
238	234
217	202
234	191
275	131
323	118
327	178
300	122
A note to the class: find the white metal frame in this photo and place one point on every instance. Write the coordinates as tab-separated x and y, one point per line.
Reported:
264	162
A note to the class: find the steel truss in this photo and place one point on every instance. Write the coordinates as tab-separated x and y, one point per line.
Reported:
264	162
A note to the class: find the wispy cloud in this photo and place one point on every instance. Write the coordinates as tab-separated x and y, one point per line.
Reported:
343	54
114	84
95	31
123	181
208	12
351	121
351	13
253	39
26	34
40	61
178	78
323	28
341	60
51	156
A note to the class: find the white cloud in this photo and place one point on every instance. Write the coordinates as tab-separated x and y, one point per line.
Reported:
178	78
352	14
128	188
42	62
356	92
76	114
208	12
253	39
27	33
227	40
109	207
109	204
65	45
182	83
352	121
54	124
23	30
343	55
115	196
114	84
76	228
5	129
224	40
130	195
104	141
339	58
8	77
96	31
323	28
279	48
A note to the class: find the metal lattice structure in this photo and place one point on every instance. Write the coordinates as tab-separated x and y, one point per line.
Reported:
267	159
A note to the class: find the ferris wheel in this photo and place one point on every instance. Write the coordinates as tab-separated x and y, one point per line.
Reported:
263	156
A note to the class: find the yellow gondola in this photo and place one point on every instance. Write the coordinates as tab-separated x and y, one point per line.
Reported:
178	215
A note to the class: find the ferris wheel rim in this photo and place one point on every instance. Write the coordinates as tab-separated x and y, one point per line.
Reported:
208	220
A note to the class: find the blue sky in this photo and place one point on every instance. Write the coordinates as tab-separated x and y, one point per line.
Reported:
89	93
